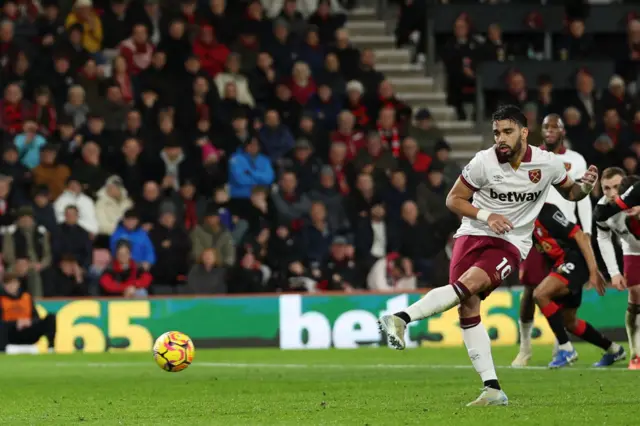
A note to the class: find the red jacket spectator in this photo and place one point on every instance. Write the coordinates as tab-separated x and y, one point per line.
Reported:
115	280
13	110
137	50
354	141
212	55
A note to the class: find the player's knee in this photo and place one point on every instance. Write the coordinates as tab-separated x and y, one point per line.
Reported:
476	280
469	308
634	294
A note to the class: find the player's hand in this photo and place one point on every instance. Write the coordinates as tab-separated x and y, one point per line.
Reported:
619	282
499	224
633	211
590	177
596	280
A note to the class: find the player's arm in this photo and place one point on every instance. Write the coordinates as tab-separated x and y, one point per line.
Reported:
628	200
608	253
471	180
576	191
584	243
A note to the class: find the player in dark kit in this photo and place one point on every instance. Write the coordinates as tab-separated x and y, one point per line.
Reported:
567	253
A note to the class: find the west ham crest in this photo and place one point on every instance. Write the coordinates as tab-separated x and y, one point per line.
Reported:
535	175
567	166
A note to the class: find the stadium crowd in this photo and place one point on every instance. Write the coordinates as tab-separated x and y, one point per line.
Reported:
204	147
208	148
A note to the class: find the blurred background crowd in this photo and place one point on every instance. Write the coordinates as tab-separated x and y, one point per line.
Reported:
247	146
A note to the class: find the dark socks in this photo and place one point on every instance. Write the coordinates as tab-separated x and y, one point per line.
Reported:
403	316
586	331
493	384
554	316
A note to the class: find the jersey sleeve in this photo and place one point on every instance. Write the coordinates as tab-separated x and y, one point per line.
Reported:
557	223
473	174
630	198
559	171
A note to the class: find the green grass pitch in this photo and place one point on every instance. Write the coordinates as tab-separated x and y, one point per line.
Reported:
373	386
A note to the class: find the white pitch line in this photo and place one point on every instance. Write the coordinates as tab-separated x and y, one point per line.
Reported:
330	366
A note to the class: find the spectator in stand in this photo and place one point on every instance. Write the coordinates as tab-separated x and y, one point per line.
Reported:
586	99
90	78
20	72
628	57
45	113
414	246
60	79
616	97
374	238
155	20
68	279
347	134
347	55
76	107
291	207
43	211
247	169
89	169
290	14
431	196
129	229
425	131
26	250
333	77
149	204
19	175
392	273
8	203
262	80
131	167
375	160
450	168
49	172
172	246
189	206
307	128
387	99
343	170
136	50
517	92
276	139
396	195
84	14
72	46
11	46
174	166
326	193
287	107
317	236
339	270
367	73
13	111
116	24
29	144
114	108
362	199
325	106
286	257
304	164
187	11
215	14
413	162
248	45
301	84
177	47
211	53
326	21
206	276
211	233
312	52
124	277
121	76
86	208
282	47
576	45
355	104
255	14
73	240
390	131
113	201
246	275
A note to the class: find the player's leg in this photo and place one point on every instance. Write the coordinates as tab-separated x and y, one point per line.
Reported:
632	315
478	344
552	287
527	311
578	327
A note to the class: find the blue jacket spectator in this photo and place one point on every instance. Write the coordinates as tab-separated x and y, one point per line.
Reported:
317	235
325	107
142	251
312	52
247	169
276	138
28	145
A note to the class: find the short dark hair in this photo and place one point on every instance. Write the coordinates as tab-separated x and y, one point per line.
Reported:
9	277
628	182
610	172
511	113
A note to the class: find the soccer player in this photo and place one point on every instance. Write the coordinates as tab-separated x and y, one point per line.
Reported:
509	184
627	228
570	256
553	133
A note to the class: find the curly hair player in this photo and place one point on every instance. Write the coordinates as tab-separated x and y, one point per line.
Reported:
610	217
509	183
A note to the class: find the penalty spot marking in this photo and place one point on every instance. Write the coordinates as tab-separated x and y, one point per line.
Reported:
329	366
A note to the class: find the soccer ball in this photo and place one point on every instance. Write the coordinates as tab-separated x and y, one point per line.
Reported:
173	351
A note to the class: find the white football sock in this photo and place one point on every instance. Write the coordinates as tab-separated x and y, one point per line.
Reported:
566	347
614	348
478	344
525	336
633	332
436	301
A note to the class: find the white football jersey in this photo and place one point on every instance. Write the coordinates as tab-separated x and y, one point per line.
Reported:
516	194
619	225
575	165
